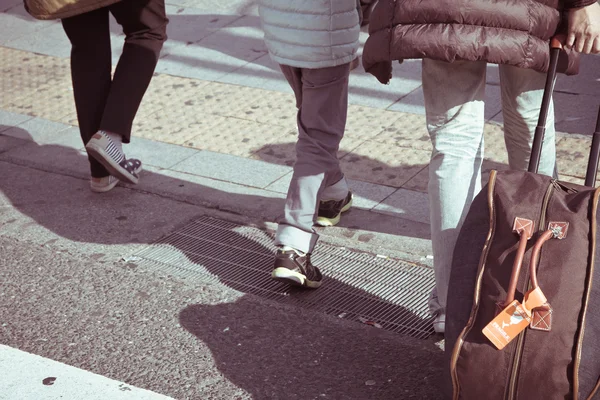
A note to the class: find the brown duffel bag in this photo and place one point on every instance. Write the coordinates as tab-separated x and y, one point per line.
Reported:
523	309
59	9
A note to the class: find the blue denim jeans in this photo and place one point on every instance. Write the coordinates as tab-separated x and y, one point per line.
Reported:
454	102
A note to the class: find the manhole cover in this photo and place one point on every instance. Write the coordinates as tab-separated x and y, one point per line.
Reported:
386	293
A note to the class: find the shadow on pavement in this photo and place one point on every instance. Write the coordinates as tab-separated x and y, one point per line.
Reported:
284	154
108	223
279	353
120	216
287	353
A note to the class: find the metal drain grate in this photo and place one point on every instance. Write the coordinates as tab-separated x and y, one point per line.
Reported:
357	286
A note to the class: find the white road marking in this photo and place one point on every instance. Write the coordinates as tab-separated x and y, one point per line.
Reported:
26	376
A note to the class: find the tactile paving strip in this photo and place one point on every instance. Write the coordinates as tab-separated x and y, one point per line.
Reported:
389	164
388	147
358	286
572	157
36	85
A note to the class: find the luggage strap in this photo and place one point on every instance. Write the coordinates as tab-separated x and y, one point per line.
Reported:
541	318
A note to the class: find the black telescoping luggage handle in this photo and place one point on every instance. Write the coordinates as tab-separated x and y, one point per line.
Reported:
592	168
590	177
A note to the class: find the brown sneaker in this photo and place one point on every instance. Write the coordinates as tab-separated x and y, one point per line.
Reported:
294	269
330	211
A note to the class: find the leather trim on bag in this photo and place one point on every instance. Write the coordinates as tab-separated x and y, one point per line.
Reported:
560	228
524	227
541	318
476	296
587	300
535	255
595	390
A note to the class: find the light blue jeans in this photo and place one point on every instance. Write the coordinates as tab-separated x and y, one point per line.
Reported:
454	102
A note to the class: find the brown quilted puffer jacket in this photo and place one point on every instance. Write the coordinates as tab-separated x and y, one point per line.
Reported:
514	32
58	9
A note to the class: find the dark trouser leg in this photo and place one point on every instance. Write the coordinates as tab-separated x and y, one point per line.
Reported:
90	72
144	24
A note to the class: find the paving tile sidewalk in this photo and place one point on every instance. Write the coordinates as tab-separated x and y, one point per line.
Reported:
219	113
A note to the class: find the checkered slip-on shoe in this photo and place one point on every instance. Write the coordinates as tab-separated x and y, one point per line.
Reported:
104	150
296	270
330	211
107	183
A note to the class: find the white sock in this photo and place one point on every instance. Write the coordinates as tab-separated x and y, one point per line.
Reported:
288	248
117	139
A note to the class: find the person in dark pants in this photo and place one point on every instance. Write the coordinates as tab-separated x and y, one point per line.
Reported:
106	107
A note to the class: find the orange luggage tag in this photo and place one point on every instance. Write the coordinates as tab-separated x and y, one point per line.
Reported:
516	316
513	319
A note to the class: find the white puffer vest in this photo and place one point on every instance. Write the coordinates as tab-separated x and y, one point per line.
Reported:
310	33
